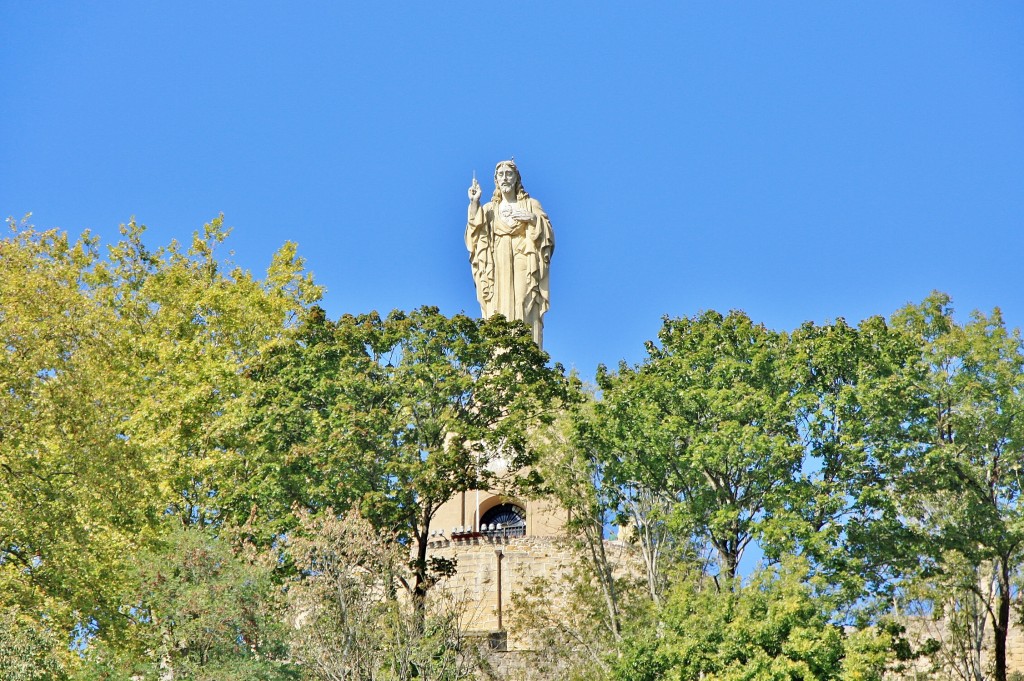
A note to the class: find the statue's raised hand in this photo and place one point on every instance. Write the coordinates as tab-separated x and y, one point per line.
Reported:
474	191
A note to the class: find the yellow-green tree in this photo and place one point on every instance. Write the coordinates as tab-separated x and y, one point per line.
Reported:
117	373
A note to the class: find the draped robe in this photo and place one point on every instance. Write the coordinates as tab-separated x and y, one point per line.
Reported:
510	264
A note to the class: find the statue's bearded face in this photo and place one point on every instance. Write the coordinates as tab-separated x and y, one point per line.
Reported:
506	178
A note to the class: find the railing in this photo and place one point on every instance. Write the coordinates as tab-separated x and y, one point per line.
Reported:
503	531
495	531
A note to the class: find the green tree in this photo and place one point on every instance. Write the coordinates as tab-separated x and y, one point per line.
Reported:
861	415
29	650
574	476
729	433
312	426
776	627
589	481
705	423
395	416
204	608
970	503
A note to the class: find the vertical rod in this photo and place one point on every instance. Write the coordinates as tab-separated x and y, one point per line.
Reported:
498	553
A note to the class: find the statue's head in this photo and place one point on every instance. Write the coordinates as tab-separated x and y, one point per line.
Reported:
506	173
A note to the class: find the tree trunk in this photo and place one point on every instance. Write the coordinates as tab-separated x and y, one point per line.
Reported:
1002	624
729	561
594	535
421	584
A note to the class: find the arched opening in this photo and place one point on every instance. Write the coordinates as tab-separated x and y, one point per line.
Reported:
504	520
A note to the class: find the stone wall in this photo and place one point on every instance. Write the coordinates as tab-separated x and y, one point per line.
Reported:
518	665
475	583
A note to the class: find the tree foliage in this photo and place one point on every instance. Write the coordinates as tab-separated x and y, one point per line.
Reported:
194	460
394	416
704	424
202	606
348	622
776	627
971	506
116	373
29	650
861	414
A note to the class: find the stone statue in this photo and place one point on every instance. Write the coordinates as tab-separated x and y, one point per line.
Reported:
510	243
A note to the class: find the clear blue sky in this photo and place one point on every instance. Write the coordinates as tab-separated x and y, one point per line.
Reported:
797	160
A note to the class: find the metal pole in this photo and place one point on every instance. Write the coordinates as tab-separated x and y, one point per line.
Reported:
498	553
